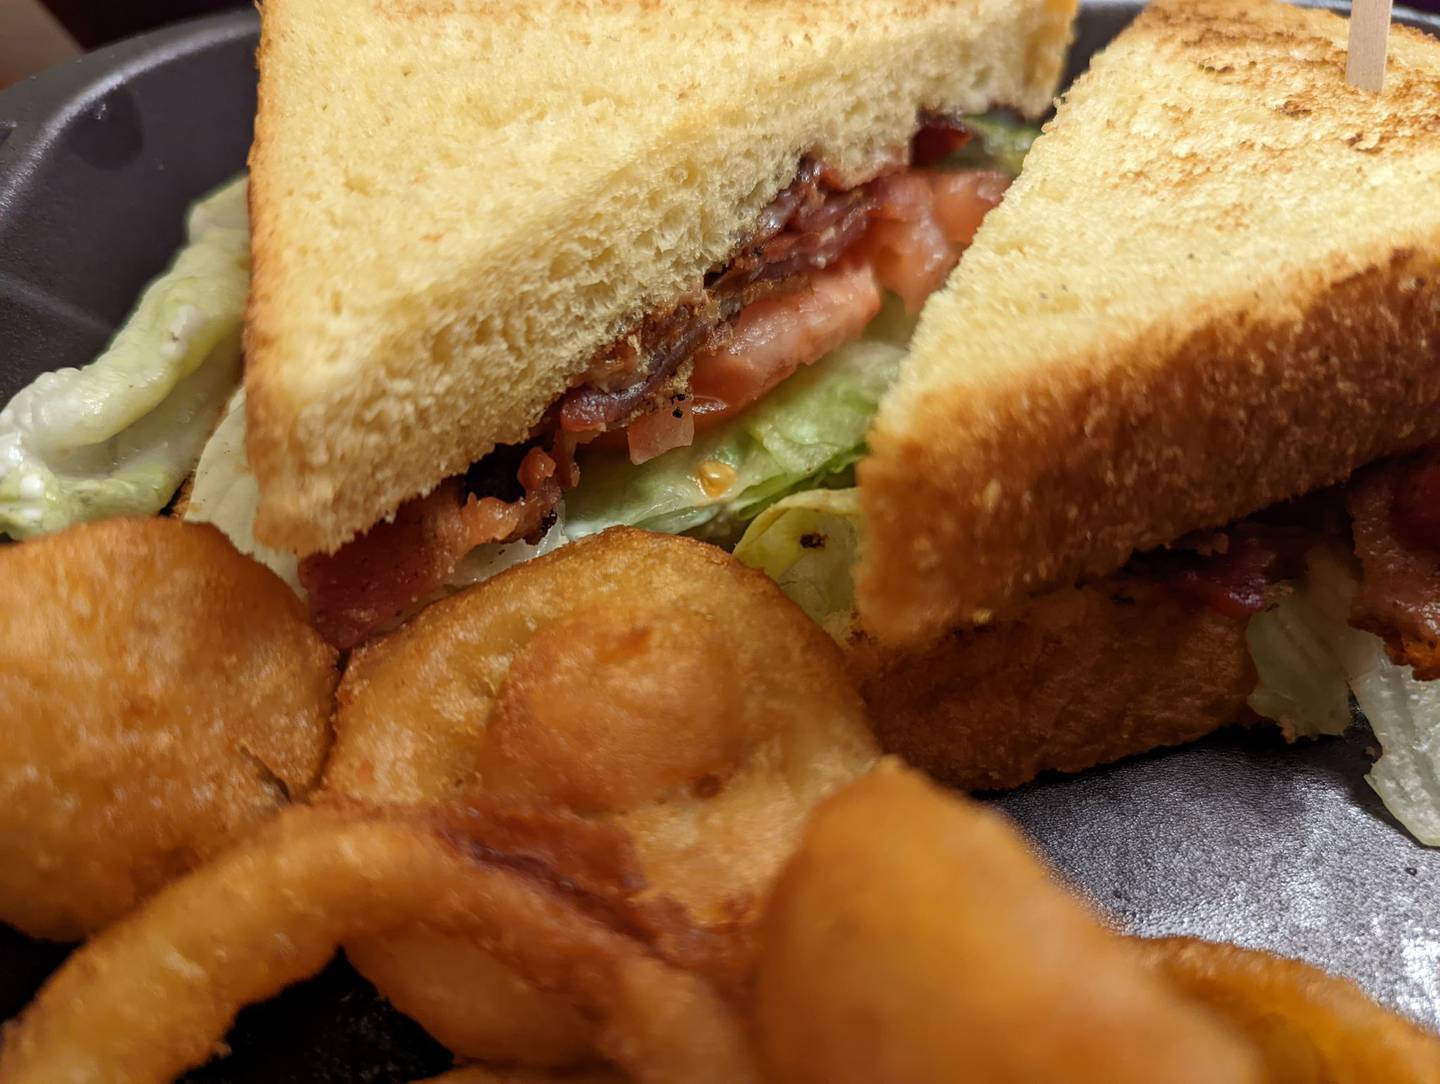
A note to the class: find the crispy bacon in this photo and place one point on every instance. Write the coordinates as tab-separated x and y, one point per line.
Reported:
375	581
1393	509
372	582
1232	583
666	341
923	217
807	280
1417	501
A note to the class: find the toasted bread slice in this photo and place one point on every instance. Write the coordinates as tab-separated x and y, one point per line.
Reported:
455	205
1215	286
1079	677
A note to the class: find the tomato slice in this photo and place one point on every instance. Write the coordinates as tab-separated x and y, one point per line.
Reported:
774	337
962	200
672	426
925	218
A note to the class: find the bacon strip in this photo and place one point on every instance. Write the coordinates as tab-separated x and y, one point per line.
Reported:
377	580
1232	583
811	226
1394	508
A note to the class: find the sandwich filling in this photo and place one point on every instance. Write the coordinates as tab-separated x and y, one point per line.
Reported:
811	278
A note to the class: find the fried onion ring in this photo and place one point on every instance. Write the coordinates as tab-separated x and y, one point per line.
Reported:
481	1074
1308	1026
154	994
428	976
915	937
646	681
161	695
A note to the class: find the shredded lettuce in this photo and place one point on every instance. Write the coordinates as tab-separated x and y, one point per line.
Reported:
1405	716
1311	662
808	433
1296	647
809	543
118	436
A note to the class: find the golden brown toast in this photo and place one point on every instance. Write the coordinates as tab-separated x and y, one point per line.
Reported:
1078	677
1215	286
456	204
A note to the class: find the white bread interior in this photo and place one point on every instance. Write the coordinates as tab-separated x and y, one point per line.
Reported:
1215	285
455	204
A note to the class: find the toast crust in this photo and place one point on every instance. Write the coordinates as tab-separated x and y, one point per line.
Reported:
1054	420
455	205
1080	677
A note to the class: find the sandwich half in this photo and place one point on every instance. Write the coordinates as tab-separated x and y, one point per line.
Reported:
1216	286
515	225
1095	510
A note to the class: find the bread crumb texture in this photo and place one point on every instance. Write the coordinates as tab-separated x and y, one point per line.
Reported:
1215	286
455	204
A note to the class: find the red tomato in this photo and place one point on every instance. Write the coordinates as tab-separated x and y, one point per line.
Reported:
672	426
777	335
963	199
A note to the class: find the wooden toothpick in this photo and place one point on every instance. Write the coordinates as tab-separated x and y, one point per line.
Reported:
1369	37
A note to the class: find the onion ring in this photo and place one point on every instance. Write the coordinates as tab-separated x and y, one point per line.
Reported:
427	976
483	1074
915	937
646	681
161	695
1307	1025
154	994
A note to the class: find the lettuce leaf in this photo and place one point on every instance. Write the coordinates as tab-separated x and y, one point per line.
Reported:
1001	141
118	436
809	544
1311	663
224	493
1297	646
808	433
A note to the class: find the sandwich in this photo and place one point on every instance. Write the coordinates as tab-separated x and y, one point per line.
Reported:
1130	474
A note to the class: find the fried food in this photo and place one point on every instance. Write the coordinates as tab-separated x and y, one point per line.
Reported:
153	995
915	937
161	696
649	682
481	1074
430	977
1308	1026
